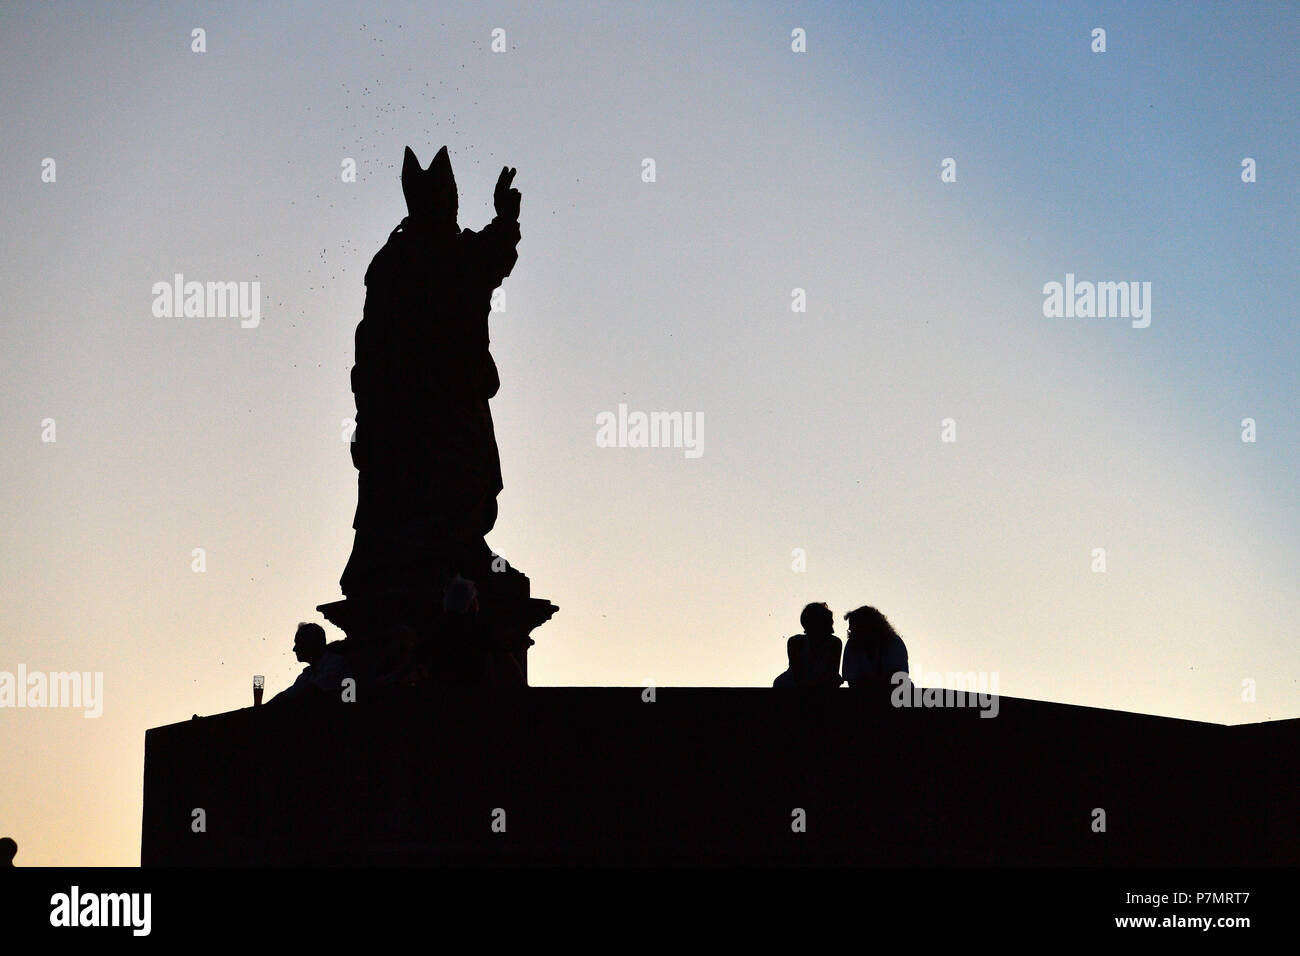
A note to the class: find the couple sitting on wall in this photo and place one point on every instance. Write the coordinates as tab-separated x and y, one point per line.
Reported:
873	655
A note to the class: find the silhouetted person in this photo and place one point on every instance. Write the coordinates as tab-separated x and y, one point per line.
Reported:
814	655
463	657
325	672
874	652
8	850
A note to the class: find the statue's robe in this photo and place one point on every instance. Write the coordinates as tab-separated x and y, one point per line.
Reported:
424	446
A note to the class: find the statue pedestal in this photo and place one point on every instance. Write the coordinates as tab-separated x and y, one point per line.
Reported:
506	618
595	776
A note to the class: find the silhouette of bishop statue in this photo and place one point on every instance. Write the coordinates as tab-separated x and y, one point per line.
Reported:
428	471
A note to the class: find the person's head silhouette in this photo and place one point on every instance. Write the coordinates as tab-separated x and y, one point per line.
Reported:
460	596
8	850
817	620
869	625
309	642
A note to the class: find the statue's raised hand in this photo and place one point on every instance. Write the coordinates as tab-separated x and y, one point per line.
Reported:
505	199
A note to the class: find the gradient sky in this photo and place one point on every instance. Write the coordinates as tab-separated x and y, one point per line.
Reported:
775	170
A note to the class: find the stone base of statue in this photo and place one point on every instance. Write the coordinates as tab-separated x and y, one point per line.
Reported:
596	776
426	603
501	629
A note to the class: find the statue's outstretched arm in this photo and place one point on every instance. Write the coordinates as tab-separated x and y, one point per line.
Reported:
498	240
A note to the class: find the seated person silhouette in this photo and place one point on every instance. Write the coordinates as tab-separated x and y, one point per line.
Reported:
874	652
325	672
814	655
8	850
463	661
474	656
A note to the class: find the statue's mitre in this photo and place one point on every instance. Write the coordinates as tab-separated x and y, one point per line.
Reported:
430	193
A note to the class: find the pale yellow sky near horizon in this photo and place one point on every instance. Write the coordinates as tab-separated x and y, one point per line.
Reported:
823	429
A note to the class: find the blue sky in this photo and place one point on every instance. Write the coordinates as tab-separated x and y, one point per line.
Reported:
775	171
